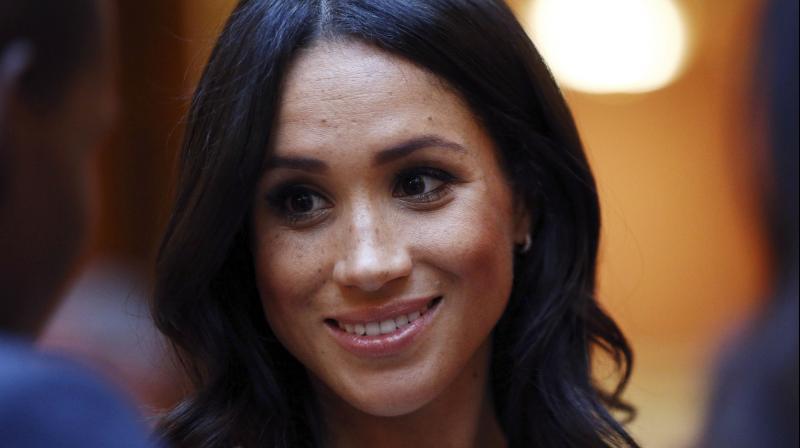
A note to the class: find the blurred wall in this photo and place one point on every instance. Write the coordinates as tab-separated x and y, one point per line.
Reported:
136	171
683	254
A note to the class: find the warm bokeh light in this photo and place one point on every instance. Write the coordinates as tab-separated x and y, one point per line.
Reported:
610	46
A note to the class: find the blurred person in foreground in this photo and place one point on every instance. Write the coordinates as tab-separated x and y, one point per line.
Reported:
755	402
57	103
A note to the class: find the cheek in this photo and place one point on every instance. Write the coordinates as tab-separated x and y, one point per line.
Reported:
287	274
285	267
471	247
472	241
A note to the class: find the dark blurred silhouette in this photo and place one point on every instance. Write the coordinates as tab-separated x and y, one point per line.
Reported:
57	103
103	321
755	402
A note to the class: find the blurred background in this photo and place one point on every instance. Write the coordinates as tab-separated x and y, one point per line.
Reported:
661	92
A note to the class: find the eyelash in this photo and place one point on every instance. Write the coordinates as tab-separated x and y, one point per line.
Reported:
279	197
278	201
431	196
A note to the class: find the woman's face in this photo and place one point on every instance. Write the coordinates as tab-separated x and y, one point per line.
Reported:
383	230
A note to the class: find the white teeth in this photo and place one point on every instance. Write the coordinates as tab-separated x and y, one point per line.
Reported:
401	321
383	327
373	329
388	326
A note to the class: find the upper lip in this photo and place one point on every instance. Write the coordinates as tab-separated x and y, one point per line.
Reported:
382	312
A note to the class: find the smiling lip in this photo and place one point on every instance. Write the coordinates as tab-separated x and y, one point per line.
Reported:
385	343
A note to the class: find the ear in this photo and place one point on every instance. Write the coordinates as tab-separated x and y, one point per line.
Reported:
522	220
15	60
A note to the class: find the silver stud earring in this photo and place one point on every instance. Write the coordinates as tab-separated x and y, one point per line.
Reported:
527	245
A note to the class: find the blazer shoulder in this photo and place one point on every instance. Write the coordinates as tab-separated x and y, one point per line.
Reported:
49	401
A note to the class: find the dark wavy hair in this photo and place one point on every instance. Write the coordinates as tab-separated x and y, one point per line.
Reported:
248	390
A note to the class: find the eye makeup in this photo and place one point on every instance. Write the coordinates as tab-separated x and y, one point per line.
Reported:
423	185
298	204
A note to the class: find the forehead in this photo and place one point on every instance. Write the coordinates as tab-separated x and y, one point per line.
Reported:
336	90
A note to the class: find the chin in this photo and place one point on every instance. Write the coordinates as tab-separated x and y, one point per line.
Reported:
391	392
386	401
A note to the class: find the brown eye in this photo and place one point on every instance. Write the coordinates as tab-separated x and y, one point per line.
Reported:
413	185
300	202
417	185
423	185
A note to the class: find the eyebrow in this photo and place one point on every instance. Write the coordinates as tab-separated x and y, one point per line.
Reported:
409	146
383	157
297	163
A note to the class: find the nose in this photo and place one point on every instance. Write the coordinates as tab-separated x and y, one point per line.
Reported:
373	254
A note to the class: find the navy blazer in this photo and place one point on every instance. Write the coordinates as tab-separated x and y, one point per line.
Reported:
49	402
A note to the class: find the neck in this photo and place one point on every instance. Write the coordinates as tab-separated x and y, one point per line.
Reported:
462	415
